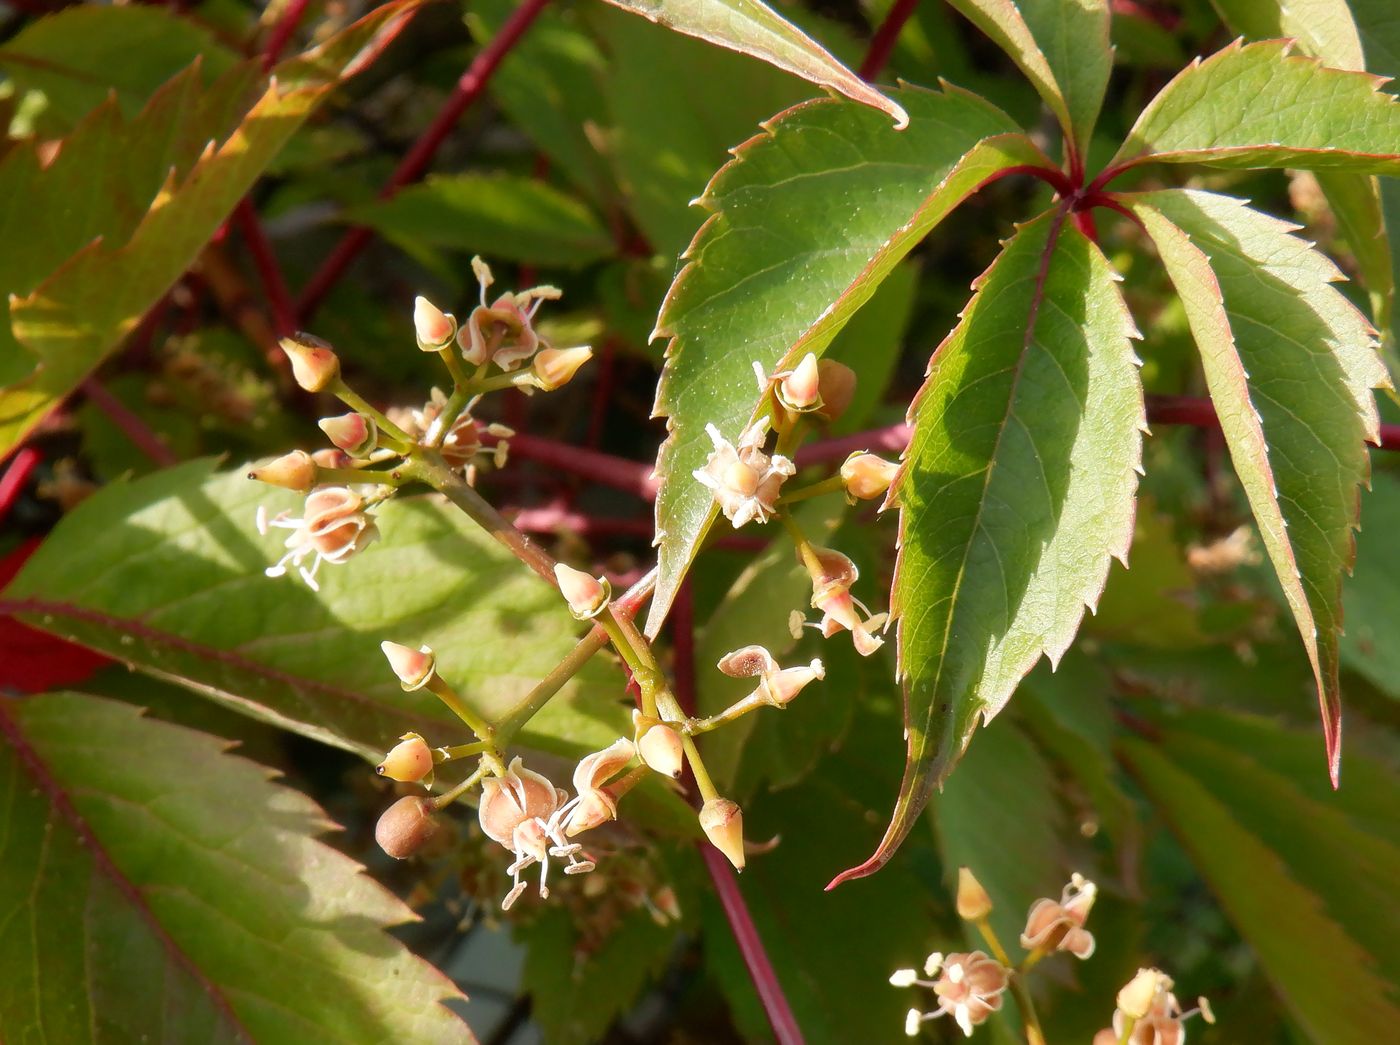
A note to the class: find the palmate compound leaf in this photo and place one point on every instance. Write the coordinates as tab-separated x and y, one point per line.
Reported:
1290	364
1061	46
216	142
1015	492
154	887
1255	105
753	28
796	241
166	574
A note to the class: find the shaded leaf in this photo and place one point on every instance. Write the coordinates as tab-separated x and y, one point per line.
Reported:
1371	596
1287	866
1290	364
753	28
166	574
1255	105
157	887
81	312
794	245
494	215
1014	494
78	55
1061	45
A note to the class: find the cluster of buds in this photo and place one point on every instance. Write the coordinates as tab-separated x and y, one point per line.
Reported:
462	444
1149	1014
744	479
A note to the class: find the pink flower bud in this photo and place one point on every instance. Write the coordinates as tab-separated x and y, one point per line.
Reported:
556	367
294	471
723	824
408	761
314	363
836	384
586	595
973	902
414	667
331	457
406	826
866	476
434	328
354	433
659	745
800	389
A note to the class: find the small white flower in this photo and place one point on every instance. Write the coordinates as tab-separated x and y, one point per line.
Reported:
744	479
524	813
334	526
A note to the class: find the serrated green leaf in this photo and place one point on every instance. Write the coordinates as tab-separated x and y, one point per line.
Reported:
1286	867
78	56
494	215
81	312
1014	494
788	255
753	28
166	574
1371	595
1061	45
1290	365
158	888
1255	105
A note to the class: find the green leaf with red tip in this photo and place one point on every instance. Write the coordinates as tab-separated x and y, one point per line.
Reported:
1015	493
1290	364
1255	105
795	243
155	887
753	28
1062	46
130	227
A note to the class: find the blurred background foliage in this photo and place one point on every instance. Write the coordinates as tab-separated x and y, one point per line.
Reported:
1174	757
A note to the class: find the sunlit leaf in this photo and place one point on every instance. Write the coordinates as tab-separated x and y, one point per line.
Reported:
794	245
155	884
1290	364
1016	491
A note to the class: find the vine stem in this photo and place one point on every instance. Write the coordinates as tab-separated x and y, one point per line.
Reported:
135	429
886	34
469	87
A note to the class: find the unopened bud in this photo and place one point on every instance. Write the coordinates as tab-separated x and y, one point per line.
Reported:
556	367
354	433
408	761
973	902
836	385
314	363
723	824
414	667
294	471
866	476
1136	998
406	826
434	328
331	457
659	745
585	594
800	390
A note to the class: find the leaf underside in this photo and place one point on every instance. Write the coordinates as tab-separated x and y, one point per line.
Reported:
152	882
1290	364
794	245
1015	492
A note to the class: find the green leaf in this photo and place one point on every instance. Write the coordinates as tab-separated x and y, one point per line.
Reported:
1015	492
497	216
754	28
166	574
785	259
78	56
1255	105
81	312
871	344
1371	596
158	888
1290	364
1061	45
1287	866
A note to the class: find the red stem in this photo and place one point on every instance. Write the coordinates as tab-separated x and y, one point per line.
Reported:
882	43
1056	179
132	426
12	482
412	166
279	297
633	477
282	32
